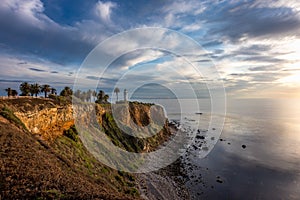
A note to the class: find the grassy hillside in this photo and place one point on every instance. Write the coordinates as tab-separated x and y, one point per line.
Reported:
32	168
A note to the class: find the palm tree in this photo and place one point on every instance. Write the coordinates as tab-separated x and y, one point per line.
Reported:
14	93
117	90
9	92
45	88
35	89
105	98
31	92
66	92
53	91
25	89
100	96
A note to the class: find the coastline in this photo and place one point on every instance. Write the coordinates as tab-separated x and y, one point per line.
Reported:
166	183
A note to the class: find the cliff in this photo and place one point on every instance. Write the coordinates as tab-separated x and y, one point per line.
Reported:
49	119
42	157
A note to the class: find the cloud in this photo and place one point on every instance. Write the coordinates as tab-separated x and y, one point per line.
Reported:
267	59
184	16
30	11
212	43
138	57
265	68
266	77
42	72
191	27
104	10
203	61
252	39
293	4
36	70
152	90
11	81
253	49
93	77
291	70
31	32
22	63
184	7
237	21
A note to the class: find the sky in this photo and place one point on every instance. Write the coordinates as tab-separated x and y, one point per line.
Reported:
254	45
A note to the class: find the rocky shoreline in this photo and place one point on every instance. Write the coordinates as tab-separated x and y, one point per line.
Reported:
166	183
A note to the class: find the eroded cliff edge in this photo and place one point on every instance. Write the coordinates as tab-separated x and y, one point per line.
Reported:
49	119
47	123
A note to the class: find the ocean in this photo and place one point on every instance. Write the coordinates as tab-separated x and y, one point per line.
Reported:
257	155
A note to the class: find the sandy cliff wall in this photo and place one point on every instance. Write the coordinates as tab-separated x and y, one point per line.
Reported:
47	122
49	119
44	117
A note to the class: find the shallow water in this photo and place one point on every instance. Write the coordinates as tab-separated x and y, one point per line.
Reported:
268	168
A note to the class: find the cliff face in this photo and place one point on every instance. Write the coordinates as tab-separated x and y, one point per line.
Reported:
31	168
42	116
135	127
47	122
47	118
63	167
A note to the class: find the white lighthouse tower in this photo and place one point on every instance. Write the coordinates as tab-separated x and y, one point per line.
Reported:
125	95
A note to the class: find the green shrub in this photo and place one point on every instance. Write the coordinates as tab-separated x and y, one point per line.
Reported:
132	191
52	96
60	99
72	133
10	116
119	179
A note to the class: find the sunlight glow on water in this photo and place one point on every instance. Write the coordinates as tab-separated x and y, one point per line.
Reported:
270	129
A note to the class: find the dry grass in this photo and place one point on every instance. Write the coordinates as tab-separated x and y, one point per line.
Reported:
31	169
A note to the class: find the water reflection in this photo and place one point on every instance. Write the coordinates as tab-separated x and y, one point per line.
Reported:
267	169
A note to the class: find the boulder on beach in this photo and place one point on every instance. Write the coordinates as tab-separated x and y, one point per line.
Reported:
201	137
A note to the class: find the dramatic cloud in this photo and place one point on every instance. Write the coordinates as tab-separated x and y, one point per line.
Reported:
237	21
253	43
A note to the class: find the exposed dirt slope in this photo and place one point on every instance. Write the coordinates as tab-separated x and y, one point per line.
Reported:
31	169
39	161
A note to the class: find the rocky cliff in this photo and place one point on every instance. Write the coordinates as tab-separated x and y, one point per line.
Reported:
43	117
40	158
122	123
